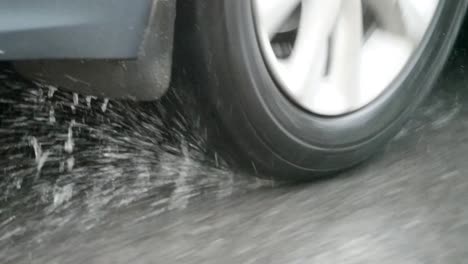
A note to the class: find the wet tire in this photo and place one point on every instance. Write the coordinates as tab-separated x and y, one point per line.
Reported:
269	134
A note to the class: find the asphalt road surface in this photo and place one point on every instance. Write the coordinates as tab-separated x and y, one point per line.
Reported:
91	180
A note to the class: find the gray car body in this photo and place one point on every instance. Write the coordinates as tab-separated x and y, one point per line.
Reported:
67	41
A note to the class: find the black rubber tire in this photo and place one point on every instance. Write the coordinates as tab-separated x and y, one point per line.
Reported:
274	137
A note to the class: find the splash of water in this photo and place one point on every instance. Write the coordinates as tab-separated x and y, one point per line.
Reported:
101	156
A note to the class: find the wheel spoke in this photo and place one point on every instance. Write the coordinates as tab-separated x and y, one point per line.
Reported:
417	15
344	58
409	18
387	15
382	45
308	59
273	13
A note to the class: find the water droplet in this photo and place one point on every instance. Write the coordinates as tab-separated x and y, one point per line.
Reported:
88	100
104	105
70	163
51	92
52	115
69	144
62	194
75	99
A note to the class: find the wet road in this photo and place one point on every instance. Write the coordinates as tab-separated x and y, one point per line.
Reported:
88	180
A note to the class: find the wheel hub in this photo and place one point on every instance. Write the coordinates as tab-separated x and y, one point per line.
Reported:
336	56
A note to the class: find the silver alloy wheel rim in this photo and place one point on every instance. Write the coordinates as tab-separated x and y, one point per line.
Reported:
336	56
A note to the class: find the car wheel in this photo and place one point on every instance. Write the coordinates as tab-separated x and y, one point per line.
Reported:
305	88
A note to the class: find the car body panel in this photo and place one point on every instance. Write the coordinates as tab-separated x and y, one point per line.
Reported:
112	60
58	29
